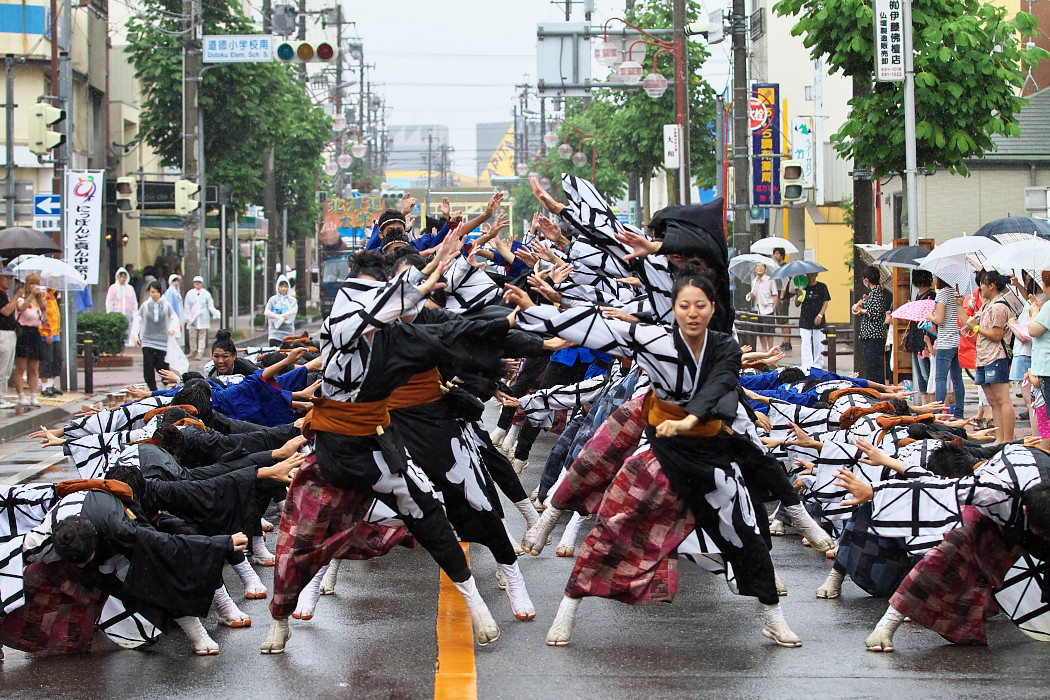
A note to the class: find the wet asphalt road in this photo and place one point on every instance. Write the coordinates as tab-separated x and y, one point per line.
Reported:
376	638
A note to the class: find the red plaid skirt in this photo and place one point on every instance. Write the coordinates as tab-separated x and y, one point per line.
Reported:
951	591
630	555
593	471
322	522
60	613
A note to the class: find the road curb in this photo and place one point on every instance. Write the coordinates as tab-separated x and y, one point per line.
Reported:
20	426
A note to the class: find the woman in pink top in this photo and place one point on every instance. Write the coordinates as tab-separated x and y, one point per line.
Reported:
30	346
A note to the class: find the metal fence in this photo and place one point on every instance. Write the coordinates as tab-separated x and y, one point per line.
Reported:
752	327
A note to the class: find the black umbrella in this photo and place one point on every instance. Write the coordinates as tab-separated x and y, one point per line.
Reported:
906	256
19	240
1015	224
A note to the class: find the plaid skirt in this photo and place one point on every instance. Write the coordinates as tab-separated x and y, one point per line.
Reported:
60	615
322	522
951	591
591	474
631	553
877	564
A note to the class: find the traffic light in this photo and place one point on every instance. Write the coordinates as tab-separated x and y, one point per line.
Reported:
185	204
41	138
127	199
792	188
304	52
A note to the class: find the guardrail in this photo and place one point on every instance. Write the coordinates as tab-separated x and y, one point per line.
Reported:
751	327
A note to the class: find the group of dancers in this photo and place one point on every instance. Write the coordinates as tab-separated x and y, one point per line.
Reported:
674	439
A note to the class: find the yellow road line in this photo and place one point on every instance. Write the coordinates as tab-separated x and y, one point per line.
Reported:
455	674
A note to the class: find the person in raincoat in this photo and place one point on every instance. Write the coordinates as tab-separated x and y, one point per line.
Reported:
121	299
280	312
198	310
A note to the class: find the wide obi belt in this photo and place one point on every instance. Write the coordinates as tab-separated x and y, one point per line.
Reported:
365	419
422	388
657	411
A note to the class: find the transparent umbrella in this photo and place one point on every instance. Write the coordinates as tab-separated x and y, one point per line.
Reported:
54	274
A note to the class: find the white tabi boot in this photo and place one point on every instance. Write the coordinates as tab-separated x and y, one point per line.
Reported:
266	525
254	588
330	577
510	441
520	603
539	534
881	638
486	631
497	436
782	590
775	627
501	579
832	586
203	645
567	544
806	526
528	511
261	556
561	629
229	614
519	465
280	633
304	607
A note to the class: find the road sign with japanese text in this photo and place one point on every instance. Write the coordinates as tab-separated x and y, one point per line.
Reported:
889	41
238	48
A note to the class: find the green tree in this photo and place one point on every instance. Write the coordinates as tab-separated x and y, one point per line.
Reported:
246	107
969	67
627	125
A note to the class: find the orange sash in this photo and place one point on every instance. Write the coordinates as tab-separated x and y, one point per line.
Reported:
111	486
839	393
888	422
657	411
854	413
342	418
424	387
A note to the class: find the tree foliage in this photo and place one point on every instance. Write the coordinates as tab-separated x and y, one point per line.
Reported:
969	67
246	107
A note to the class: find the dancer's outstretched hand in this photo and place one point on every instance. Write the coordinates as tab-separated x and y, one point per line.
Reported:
517	296
862	491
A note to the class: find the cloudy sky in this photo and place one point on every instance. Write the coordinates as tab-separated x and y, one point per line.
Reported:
456	62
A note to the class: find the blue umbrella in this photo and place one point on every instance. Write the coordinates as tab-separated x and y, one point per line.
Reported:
797	267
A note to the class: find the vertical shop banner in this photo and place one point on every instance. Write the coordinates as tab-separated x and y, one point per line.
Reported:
83	221
802	147
889	41
766	138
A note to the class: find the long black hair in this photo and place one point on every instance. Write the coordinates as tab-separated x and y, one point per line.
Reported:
196	393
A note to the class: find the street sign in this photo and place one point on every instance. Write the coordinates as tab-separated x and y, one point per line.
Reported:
84	221
889	41
802	147
47	212
765	143
757	112
47	204
563	61
238	48
672	146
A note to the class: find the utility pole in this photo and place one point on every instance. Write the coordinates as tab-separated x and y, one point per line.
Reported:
682	42
911	157
272	223
426	201
191	226
11	196
741	132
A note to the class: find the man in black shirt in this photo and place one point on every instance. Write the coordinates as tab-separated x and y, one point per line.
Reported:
813	303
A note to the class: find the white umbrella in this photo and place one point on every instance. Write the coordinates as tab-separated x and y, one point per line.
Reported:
948	260
54	273
1031	254
765	246
743	266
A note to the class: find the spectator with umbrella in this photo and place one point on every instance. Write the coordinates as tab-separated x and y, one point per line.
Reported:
873	309
8	331
945	316
29	349
51	332
812	302
916	339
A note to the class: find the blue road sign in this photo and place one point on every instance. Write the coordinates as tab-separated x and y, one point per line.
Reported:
47	204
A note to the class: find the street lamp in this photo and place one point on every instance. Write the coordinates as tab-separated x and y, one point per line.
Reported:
522	169
608	54
633	75
579	159
566	151
358	150
550	139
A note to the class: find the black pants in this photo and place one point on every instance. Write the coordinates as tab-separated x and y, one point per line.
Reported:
153	360
528	380
874	359
498	466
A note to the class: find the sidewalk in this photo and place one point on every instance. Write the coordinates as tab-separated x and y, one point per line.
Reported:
20	421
